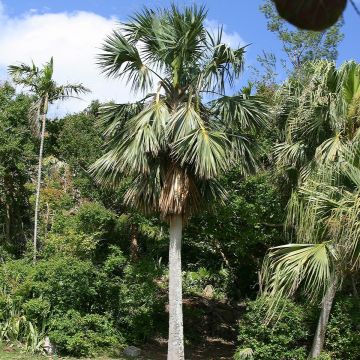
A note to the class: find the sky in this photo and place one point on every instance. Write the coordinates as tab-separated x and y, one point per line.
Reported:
72	32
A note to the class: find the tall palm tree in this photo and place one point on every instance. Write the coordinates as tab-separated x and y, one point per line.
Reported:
172	142
317	114
325	213
46	91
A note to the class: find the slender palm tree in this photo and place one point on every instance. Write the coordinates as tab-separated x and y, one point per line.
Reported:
325	213
46	91
172	142
317	114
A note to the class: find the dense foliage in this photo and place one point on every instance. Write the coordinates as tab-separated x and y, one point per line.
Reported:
101	276
285	337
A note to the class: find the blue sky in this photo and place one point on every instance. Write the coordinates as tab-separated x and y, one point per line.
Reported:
71	30
241	16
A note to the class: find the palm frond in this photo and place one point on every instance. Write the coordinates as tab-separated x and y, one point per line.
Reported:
144	191
21	71
241	112
329	150
290	154
223	66
184	121
204	150
113	117
64	92
120	58
136	144
288	267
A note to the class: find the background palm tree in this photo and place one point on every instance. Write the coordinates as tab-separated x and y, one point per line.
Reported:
317	114
325	213
46	91
172	142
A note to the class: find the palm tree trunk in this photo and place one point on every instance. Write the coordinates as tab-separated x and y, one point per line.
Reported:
326	305
176	332
38	185
9	192
8	224
134	246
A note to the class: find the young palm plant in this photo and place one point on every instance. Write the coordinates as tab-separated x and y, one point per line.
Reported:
325	213
317	114
46	91
173	143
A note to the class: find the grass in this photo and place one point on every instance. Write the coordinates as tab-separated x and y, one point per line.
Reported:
13	353
7	353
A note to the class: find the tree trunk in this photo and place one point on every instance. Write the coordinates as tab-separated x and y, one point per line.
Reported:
353	283
176	333
134	246
326	305
38	185
8	200
8	224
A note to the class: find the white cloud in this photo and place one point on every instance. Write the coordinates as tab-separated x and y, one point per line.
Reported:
231	38
73	39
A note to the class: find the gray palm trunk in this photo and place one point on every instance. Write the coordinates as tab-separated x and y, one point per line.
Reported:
326	305
176	332
38	185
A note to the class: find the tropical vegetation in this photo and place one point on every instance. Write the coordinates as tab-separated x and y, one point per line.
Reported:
210	217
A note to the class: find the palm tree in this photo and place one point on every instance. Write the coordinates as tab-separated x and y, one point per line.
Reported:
325	213
172	143
46	91
317	114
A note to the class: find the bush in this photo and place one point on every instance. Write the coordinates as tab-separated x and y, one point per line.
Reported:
284	338
36	310
69	290
14	275
141	306
95	218
74	334
65	282
71	243
87	233
342	339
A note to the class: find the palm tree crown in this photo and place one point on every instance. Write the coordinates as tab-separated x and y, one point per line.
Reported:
318	114
40	82
325	213
172	142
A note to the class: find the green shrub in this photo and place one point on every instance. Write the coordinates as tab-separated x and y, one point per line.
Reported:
36	310
14	275
15	326
70	243
77	335
284	338
70	296
95	218
87	233
141	304
115	262
342	339
66	282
